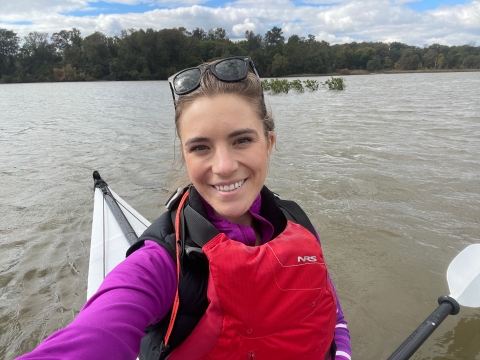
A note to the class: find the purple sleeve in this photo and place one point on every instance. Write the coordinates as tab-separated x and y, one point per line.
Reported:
342	335
135	294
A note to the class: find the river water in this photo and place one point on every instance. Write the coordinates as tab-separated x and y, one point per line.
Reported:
388	171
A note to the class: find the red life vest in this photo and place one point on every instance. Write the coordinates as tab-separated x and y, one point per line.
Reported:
272	301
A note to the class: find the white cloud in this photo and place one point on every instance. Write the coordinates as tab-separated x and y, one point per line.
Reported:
26	8
240	29
292	28
467	15
338	22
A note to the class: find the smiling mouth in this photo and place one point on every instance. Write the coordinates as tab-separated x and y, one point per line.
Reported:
231	187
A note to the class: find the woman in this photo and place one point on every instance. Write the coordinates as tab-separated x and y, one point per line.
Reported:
243	269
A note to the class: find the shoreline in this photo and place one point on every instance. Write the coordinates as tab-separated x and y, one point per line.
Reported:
366	72
352	72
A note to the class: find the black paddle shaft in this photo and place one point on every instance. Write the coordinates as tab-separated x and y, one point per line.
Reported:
122	221
447	306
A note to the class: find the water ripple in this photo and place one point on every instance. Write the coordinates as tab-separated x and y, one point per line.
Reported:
387	170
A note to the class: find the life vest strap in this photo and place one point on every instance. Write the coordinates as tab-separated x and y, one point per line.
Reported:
200	229
176	302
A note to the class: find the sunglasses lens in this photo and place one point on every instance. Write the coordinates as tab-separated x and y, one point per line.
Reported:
231	69
186	81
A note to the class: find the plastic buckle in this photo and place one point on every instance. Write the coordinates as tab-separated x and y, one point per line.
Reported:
173	199
163	350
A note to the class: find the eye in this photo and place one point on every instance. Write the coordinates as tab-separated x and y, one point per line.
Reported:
243	140
197	148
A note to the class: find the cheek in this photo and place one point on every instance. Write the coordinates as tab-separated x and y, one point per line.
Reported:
260	163
194	168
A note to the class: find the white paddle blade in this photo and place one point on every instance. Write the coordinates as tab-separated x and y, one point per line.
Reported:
463	276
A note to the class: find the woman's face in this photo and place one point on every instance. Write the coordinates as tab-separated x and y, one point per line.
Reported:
226	153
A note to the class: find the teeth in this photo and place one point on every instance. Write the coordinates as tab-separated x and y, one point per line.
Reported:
230	187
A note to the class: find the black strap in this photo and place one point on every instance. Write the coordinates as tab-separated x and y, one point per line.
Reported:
201	230
294	212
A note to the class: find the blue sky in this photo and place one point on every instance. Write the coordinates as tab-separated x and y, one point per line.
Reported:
102	7
431	5
449	22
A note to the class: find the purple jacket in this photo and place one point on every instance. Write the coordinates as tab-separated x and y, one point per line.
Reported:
112	322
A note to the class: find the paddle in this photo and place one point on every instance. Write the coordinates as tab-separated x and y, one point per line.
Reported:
463	277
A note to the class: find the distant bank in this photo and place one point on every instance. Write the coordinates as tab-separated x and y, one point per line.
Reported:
156	54
366	72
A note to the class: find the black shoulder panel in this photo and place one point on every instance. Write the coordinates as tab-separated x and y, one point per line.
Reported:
296	214
277	211
161	232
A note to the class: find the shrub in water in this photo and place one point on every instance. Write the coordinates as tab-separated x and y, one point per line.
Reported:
277	86
311	85
296	85
335	83
266	85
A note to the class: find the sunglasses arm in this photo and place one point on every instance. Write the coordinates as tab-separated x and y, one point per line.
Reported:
173	96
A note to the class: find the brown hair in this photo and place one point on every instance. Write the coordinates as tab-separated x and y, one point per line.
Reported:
249	88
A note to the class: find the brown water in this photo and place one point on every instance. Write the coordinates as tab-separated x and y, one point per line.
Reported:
388	170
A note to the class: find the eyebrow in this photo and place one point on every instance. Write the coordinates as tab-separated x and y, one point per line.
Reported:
196	140
233	134
242	132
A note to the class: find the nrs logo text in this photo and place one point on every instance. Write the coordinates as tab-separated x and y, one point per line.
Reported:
307	258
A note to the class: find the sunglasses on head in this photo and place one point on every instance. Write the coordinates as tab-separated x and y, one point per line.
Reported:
231	69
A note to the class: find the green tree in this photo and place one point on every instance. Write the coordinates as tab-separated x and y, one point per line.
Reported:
274	39
429	59
273	44
471	62
136	55
38	57
280	65
453	59
381	49
440	61
217	34
68	45
317	58
172	50
151	54
8	42
387	63
396	50
254	42
9	46
97	54
374	64
294	51
199	34
36	45
343	57
362	56
408	61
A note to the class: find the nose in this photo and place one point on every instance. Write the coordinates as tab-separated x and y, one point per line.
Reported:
224	162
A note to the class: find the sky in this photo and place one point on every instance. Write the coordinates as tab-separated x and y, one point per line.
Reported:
414	22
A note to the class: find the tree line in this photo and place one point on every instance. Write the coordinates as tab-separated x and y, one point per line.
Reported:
156	54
